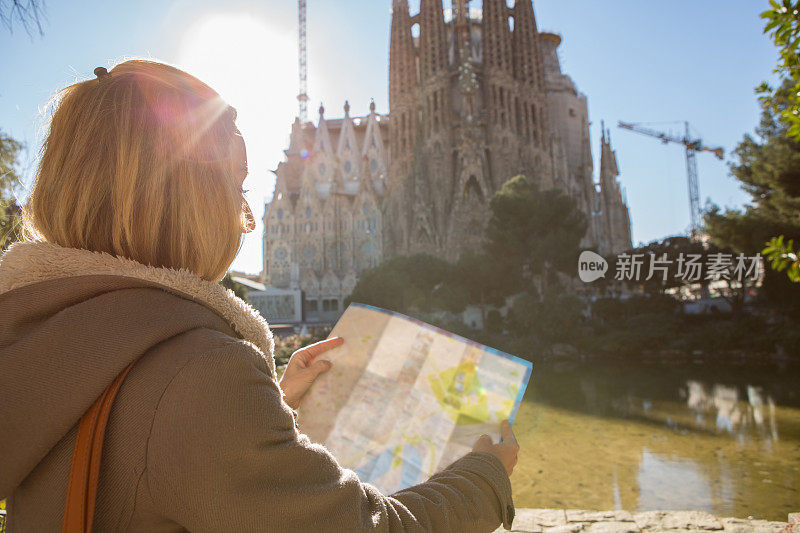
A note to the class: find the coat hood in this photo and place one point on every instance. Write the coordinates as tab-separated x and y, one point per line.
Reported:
71	320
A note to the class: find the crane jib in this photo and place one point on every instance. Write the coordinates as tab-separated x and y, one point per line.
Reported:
692	146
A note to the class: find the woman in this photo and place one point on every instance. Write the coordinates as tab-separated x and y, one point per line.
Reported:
136	213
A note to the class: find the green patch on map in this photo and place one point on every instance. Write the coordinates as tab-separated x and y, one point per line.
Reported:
459	392
397	456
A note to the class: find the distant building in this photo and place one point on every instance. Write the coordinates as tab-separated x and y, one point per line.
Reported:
474	100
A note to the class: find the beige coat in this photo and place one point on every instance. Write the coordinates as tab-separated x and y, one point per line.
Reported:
199	438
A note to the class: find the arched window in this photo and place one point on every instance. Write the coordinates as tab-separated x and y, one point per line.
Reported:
472	189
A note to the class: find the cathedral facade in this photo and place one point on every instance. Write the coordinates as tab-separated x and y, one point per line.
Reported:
476	97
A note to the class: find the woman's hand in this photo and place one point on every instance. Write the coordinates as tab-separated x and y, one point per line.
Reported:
506	450
302	370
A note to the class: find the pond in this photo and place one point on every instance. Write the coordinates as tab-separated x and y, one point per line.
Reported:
679	432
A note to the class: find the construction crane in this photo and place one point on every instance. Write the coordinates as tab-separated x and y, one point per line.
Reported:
302	63
692	147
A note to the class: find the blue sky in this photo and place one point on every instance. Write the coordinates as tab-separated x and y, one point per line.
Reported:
637	60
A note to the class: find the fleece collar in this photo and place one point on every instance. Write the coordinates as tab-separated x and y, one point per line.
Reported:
29	262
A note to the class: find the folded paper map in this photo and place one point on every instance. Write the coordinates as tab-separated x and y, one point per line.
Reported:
404	399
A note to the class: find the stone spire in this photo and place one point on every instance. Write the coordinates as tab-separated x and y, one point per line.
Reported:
322	139
403	86
348	150
322	158
432	38
608	160
402	65
373	141
617	227
527	55
297	139
496	36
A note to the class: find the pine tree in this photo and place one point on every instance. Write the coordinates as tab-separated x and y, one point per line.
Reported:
768	169
10	219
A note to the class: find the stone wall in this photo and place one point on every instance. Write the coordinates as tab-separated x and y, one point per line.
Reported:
575	521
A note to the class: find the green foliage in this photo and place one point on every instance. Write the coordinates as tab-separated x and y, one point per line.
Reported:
10	213
744	231
494	321
656	324
478	279
613	313
237	288
783	103
408	282
555	318
769	171
533	231
672	247
701	253
286	346
783	256
631	326
783	26
749	333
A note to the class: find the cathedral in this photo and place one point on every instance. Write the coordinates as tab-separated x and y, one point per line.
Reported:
476	97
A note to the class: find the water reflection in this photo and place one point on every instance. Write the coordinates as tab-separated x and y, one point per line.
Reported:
672	484
643	435
731	413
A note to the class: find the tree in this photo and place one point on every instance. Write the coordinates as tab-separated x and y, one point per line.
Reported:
783	26
672	247
28	13
554	318
687	268
404	283
768	169
478	279
534	232
10	212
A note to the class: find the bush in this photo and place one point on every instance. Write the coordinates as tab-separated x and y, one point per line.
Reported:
403	283
494	321
286	346
615	312
554	319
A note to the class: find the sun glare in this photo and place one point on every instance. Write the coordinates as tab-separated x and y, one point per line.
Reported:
253	66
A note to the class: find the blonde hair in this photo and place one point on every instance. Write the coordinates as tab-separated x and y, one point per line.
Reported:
141	163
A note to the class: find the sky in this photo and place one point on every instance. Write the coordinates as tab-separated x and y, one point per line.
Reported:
644	61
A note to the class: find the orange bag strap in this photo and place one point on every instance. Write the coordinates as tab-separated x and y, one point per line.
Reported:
84	472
